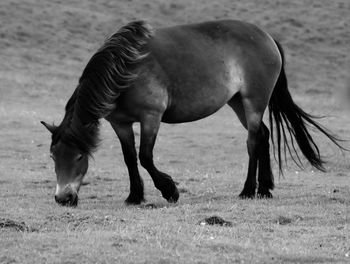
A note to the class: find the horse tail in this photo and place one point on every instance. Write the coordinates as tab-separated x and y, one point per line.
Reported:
290	118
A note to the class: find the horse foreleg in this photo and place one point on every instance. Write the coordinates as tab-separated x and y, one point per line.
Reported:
125	134
163	182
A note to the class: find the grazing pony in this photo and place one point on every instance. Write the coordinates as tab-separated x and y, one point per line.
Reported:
174	75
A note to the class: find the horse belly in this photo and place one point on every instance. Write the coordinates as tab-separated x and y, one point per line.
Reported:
188	110
196	98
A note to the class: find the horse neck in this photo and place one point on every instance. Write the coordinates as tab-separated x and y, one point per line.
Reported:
82	120
80	133
78	122
78	111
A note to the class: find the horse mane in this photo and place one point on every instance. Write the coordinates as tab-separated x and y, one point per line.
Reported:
109	72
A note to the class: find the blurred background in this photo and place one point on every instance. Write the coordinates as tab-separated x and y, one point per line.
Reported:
44	44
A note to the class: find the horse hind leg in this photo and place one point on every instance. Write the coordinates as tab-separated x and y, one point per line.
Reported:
265	176
257	145
236	103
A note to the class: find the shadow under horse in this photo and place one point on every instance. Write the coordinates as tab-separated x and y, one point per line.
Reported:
174	75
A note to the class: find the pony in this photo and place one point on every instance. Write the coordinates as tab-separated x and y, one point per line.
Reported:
181	74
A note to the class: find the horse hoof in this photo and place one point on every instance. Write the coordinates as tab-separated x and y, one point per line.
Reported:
247	195
174	197
264	194
134	200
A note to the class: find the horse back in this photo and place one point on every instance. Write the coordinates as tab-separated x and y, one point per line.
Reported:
197	68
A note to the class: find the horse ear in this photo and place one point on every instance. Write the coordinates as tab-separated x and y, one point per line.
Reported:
51	128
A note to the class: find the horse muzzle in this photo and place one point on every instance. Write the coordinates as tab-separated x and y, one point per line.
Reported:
67	197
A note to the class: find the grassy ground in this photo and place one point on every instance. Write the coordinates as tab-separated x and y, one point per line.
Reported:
44	46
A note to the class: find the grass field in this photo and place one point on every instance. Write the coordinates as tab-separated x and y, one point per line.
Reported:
44	46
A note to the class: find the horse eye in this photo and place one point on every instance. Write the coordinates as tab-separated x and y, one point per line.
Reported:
79	157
